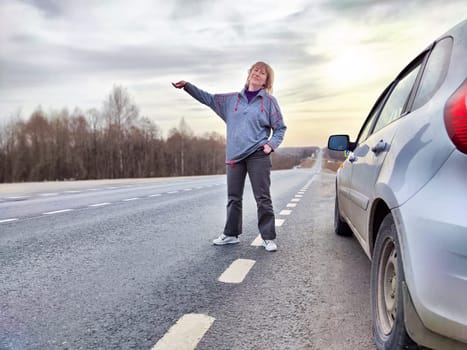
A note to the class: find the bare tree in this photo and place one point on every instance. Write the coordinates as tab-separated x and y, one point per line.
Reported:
121	113
119	109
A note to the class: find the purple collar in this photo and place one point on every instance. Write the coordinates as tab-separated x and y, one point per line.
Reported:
251	94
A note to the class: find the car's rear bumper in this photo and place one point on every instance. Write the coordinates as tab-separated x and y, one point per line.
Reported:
432	226
422	335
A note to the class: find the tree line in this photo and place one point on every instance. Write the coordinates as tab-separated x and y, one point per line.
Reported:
114	142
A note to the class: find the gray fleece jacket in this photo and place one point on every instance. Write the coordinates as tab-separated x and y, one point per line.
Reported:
249	125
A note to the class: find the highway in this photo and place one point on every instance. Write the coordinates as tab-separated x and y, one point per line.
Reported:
130	265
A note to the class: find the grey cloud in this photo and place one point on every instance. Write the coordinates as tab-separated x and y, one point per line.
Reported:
48	7
385	11
275	42
78	63
17	74
183	9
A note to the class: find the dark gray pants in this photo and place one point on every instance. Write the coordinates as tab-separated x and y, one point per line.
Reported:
258	168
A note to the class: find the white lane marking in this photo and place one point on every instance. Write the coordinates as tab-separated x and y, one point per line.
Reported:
237	271
285	212
8	220
18	197
295	200
172	192
110	188
279	222
298	196
291	205
72	191
187	189
130	199
301	192
48	194
92	189
99	204
258	242
155	195
186	333
57	211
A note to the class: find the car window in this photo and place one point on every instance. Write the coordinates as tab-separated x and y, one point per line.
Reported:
370	120
392	110
434	72
366	131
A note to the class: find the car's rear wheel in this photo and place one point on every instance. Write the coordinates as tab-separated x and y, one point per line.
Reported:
340	226
387	275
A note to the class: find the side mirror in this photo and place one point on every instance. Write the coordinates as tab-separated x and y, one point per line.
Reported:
339	142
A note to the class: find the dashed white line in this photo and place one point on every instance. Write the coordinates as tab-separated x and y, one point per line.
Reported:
237	271
48	194
99	204
15	198
172	192
295	200
8	220
187	189
285	212
298	196
279	222
57	211
72	191
155	195
130	199
186	333
291	205
258	242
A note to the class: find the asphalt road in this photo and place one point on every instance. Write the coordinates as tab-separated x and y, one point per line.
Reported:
116	265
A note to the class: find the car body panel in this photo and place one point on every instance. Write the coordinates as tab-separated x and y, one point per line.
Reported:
435	254
365	171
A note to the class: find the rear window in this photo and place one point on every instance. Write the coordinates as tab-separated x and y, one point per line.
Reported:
434	72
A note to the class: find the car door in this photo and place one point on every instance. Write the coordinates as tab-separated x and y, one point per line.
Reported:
373	145
345	173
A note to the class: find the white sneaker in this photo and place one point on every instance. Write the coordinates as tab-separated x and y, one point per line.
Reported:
223	240
269	245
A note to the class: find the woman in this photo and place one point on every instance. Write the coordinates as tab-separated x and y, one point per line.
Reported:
255	128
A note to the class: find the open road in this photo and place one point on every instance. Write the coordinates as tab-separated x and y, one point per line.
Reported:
130	265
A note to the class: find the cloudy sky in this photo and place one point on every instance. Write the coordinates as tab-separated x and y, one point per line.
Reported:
332	58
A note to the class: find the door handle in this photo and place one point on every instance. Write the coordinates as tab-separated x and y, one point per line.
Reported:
381	146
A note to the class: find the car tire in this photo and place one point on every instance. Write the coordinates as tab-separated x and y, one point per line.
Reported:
340	226
387	275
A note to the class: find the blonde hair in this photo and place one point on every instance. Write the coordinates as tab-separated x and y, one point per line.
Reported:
270	75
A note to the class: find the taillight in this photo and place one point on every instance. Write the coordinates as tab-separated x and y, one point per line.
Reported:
455	118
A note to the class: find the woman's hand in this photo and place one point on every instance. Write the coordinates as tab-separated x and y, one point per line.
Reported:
267	149
180	84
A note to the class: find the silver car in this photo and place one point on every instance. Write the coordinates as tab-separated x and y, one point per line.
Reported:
402	192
